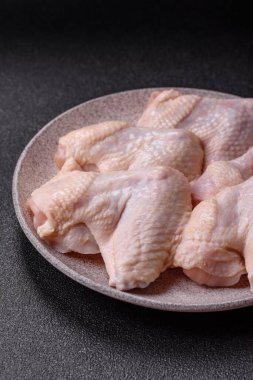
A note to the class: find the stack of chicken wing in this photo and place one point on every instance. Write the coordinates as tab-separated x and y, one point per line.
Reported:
173	190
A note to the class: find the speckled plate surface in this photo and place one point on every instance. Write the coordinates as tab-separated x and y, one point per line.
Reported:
172	291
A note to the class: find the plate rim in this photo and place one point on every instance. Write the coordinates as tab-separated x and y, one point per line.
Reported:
106	290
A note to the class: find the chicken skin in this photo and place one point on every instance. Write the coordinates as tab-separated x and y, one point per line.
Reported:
78	237
136	217
221	174
114	146
217	242
225	126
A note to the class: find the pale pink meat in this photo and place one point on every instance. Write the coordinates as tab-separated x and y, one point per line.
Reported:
221	174
136	217
225	126
217	242
76	238
114	146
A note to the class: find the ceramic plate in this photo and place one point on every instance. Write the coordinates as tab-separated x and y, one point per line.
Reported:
172	290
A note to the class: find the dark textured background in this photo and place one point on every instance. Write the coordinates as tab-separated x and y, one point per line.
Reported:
54	55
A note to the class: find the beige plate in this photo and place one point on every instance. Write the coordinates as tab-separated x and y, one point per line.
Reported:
172	291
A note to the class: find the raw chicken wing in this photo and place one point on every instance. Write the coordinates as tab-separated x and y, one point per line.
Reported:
136	217
114	145
221	174
225	126
217	243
